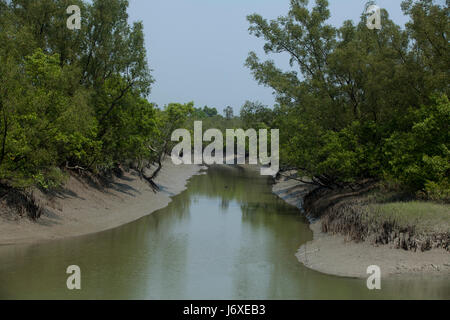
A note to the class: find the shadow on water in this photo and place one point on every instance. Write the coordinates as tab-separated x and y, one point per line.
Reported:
226	237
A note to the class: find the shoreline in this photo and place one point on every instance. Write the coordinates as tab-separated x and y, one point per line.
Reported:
82	209
335	255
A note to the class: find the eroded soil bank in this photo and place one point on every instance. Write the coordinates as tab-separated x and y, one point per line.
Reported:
83	208
336	254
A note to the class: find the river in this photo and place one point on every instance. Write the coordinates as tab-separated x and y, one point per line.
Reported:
226	237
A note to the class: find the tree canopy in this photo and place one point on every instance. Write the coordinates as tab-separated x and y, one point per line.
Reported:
359	103
356	104
73	99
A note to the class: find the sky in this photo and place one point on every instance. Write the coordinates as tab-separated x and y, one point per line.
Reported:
197	48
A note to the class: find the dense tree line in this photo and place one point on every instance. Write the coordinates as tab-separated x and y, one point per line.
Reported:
75	99
359	103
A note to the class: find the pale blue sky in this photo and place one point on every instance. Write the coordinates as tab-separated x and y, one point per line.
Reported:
197	48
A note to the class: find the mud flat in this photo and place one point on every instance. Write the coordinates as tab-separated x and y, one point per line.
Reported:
82	208
337	255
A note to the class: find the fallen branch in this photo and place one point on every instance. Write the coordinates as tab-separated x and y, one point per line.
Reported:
76	168
301	180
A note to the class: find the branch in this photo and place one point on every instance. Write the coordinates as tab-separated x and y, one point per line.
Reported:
76	168
113	104
5	133
300	180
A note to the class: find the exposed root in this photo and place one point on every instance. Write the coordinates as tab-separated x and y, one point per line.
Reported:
346	213
22	202
153	185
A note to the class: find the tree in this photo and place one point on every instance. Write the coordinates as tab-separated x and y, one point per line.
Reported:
228	112
174	116
256	115
71	100
210	112
419	156
350	89
204	113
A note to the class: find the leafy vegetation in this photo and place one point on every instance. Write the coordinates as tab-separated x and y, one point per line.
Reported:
425	216
359	103
75	100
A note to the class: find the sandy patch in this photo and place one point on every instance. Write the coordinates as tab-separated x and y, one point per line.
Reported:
83	209
333	254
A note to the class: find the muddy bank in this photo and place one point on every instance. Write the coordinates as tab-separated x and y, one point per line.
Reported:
340	255
82	208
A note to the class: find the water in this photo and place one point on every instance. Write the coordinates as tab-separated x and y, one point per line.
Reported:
226	237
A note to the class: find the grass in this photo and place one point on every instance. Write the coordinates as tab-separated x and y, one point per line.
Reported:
384	218
425	216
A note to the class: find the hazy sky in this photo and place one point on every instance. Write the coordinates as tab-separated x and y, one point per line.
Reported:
197	48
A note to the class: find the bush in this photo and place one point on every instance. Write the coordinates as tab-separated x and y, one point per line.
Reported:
419	158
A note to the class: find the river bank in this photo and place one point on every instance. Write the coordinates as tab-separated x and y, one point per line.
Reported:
227	231
82	208
337	255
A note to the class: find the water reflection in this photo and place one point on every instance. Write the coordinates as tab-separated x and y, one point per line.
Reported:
226	237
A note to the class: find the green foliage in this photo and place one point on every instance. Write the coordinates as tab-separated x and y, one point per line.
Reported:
228	112
72	99
420	156
256	116
204	113
42	125
358	103
427	217
173	116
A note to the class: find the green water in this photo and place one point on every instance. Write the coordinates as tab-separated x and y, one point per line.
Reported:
226	237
